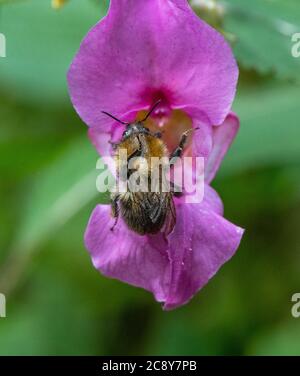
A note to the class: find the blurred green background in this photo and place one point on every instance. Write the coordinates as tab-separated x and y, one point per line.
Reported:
57	303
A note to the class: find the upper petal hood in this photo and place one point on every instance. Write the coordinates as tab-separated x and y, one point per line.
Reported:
146	46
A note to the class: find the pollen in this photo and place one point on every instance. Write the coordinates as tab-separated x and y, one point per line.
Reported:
171	126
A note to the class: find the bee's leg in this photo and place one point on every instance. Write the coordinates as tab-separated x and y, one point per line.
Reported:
114	209
178	151
144	150
175	190
114	145
136	153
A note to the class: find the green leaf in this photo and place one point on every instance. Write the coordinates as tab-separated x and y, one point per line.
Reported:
54	319
31	136
269	132
41	44
57	194
282	340
263	30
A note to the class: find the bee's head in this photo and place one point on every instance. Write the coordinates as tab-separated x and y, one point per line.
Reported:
137	126
134	128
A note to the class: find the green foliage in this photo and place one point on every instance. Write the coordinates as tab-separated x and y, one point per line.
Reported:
41	43
58	193
283	340
263	31
53	319
269	113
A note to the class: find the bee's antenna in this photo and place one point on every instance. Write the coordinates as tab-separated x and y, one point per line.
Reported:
151	110
119	121
191	130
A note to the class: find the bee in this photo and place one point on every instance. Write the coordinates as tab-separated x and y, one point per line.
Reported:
147	212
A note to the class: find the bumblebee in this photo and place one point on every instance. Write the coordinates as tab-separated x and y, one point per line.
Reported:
151	211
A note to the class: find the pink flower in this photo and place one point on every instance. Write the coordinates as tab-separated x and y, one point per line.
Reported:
142	51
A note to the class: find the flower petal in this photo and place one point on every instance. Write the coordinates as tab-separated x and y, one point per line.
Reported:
212	200
200	244
152	46
139	260
202	139
223	135
101	141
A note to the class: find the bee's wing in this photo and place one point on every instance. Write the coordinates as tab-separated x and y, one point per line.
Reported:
156	206
170	220
161	205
